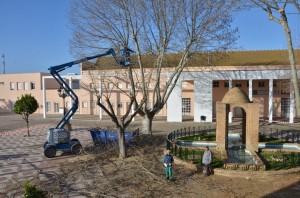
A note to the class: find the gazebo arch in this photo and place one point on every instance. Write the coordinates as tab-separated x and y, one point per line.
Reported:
235	97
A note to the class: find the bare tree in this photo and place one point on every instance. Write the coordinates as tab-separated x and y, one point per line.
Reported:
276	10
296	4
156	29
106	83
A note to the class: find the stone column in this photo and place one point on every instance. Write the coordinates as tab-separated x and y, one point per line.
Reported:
270	100
250	90
203	100
174	104
230	83
252	126
230	113
44	98
100	94
222	125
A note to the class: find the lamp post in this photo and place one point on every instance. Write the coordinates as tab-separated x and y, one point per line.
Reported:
61	93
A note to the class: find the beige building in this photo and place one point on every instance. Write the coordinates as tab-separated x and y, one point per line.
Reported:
262	75
13	86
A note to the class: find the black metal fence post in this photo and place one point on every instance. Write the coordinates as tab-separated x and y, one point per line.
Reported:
193	153
180	152
186	153
293	159
283	161
168	143
180	132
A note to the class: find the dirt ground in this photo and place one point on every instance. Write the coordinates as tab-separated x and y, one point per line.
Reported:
102	174
99	173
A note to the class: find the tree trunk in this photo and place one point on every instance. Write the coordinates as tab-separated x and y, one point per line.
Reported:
147	124
122	146
27	128
293	65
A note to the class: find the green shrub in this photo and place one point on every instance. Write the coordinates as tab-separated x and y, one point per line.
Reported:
31	191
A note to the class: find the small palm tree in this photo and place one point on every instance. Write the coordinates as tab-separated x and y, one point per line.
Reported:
25	106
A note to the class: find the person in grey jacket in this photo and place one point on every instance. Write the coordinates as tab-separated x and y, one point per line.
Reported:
206	160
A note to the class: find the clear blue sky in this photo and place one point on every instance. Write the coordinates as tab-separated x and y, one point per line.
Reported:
34	34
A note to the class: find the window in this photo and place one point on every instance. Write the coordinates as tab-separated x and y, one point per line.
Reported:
32	85
186	106
285	107
238	84
12	86
92	85
56	107
149	85
226	84
138	85
18	86
48	106
25	85
84	104
110	85
261	84
2	100
216	84
120	85
274	83
1	83
120	105
128	86
75	84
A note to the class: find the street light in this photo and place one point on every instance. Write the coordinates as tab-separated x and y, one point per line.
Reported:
61	93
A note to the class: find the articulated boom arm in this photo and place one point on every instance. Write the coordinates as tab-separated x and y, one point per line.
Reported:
54	71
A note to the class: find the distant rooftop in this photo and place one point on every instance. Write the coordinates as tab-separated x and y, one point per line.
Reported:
231	58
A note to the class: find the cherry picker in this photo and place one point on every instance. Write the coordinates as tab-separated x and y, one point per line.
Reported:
58	138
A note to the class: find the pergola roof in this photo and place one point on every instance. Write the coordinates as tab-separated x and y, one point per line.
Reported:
204	59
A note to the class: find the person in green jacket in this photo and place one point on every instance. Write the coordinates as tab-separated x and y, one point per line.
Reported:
168	161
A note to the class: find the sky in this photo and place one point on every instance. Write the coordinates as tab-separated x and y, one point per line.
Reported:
35	35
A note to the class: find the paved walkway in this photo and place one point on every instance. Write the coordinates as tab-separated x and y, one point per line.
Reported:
23	157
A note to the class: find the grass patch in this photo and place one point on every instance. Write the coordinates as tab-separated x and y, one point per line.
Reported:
195	156
200	137
263	138
280	160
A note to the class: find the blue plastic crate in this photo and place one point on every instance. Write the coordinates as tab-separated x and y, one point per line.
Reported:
100	136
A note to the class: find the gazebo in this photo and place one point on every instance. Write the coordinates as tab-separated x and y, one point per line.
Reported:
235	97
